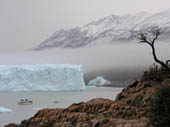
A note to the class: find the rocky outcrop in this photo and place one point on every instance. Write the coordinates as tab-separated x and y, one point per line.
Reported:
130	109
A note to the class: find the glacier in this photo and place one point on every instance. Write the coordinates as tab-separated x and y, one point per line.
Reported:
49	77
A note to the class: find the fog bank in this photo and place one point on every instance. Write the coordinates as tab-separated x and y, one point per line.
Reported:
118	61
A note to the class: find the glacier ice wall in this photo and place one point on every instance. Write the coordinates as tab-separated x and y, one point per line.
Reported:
48	77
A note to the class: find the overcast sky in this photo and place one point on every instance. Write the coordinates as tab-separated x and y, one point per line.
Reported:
26	23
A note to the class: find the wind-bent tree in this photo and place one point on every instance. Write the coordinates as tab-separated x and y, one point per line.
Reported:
150	40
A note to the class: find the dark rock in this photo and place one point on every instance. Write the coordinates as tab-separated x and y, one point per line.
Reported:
134	84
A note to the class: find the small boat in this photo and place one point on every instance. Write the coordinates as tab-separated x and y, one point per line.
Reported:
25	102
56	102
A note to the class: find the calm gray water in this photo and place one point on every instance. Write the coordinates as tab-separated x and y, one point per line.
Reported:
46	100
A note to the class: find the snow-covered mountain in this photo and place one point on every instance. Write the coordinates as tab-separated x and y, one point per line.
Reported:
110	28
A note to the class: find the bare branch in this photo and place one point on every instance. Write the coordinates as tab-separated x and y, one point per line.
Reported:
143	38
156	33
147	42
167	62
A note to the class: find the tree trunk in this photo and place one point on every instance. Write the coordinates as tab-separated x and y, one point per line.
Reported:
157	60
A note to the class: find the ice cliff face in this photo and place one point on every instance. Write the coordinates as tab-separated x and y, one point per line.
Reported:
41	78
111	28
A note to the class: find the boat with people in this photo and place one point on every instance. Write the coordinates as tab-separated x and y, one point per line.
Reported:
25	102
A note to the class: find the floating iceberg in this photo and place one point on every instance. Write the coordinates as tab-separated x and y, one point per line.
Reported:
50	77
99	81
37	108
5	110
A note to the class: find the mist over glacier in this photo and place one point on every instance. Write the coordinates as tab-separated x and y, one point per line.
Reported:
112	61
106	47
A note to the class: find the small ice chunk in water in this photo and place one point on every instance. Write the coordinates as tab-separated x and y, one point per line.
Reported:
37	108
99	81
5	110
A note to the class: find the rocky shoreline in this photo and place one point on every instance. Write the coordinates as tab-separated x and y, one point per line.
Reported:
130	109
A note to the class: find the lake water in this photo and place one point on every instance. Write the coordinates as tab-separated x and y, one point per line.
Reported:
46	100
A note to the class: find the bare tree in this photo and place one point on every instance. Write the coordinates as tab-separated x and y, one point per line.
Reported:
145	38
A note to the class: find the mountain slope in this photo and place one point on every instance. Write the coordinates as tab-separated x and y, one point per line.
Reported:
111	28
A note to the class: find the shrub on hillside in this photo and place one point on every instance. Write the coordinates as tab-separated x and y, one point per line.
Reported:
48	123
160	108
155	73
